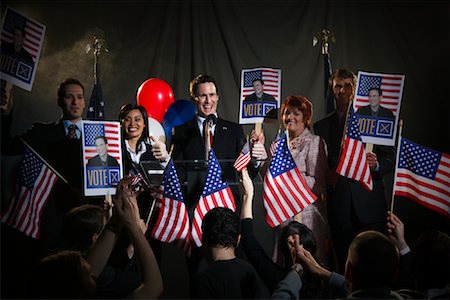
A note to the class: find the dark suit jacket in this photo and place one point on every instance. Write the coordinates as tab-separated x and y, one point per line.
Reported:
382	112
370	207
96	161
188	144
265	98
64	155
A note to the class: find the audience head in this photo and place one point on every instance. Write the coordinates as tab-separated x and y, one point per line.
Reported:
342	86
71	99
431	260
65	274
221	228
82	226
205	93
296	112
372	261
307	239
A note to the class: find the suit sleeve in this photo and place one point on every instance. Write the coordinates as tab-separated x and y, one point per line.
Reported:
386	160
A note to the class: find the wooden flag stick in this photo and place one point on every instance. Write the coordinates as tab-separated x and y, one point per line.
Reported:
400	128
258	128
108	199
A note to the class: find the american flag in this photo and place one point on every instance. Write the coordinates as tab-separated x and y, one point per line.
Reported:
271	78
285	191
216	193
391	85
96	108
34	32
275	143
353	161
243	159
172	224
423	175
34	185
110	130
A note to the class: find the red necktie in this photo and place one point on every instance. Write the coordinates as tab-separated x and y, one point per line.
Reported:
72	134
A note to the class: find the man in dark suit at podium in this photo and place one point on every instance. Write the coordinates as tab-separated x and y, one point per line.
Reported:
190	146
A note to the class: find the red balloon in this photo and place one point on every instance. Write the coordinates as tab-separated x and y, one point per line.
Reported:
156	96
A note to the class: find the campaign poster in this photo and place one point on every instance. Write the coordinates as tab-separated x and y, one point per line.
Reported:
260	95
377	103
21	44
102	157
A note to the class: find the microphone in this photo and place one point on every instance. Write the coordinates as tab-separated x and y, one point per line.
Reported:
209	122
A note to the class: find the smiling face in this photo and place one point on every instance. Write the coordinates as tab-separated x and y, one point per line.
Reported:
100	147
293	121
374	99
206	99
133	124
257	87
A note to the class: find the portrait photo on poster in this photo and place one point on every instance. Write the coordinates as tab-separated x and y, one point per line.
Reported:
259	95
102	157
377	104
21	44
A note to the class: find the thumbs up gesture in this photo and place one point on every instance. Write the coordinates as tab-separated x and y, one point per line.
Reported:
159	149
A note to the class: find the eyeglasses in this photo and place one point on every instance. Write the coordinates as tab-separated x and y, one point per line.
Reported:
203	96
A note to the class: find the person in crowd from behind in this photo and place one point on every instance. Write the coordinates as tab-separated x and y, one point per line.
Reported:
375	108
226	277
370	270
430	258
351	207
309	153
102	159
69	274
270	272
82	227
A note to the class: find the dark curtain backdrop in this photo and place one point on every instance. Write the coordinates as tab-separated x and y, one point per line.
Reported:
176	40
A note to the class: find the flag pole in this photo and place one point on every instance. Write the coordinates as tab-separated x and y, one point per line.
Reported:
350	106
46	163
400	125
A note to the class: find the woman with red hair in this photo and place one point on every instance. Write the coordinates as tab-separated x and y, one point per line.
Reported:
309	153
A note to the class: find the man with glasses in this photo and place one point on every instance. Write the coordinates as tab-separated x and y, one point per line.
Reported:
227	142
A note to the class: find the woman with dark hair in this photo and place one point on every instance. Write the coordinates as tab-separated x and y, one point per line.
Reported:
270	272
144	157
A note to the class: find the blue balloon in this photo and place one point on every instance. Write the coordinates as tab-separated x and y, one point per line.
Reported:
179	112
